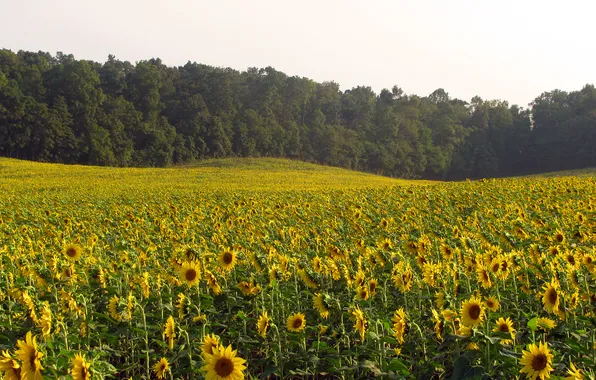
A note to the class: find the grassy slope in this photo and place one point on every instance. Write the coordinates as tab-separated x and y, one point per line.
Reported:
230	174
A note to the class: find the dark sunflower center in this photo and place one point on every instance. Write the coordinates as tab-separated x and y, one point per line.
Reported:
552	296
228	257
297	323
571	259
83	373
474	312
559	238
539	362
496	267
224	367
71	252
503	327
191	274
490	304
504	266
372	286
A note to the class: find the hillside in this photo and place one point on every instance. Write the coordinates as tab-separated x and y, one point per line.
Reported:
228	174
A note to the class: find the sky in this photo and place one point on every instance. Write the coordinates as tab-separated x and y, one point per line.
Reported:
507	49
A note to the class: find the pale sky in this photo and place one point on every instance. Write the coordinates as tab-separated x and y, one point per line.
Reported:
507	49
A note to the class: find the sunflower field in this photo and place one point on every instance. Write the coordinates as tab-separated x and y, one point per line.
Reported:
274	269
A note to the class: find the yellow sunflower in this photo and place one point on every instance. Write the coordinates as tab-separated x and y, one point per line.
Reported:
537	361
574	373
181	305
30	358
484	277
472	312
550	297
10	367
399	325
190	273
545	323
319	303
505	326
45	321
170	331
161	367
227	259
209	344
263	323
361	323
296	322
72	252
223	364
492	304
80	368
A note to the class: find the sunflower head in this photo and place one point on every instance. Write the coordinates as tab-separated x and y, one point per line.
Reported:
170	331
472	312
72	252
551	297
30	357
263	323
492	304
223	364
80	368
190	273
227	259
537	361
296	322
161	367
209	344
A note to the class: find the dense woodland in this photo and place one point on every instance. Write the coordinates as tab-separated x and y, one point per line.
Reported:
59	109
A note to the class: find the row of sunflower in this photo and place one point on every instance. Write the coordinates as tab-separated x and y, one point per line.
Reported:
488	279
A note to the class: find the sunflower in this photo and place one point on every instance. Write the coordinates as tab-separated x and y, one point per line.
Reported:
362	293
10	367
574	373
113	308
472	312
492	304
30	358
170	331
559	237
505	326
319	304
550	297
212	283
161	367
483	277
296	322
181	305
361	323
190	273
45	321
545	323
223	364
263	323
227	259
399	325
209	344
72	252
80	368
537	361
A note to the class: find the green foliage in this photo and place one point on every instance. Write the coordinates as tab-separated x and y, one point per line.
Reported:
60	109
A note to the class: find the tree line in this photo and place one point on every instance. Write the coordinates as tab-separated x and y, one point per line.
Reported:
60	109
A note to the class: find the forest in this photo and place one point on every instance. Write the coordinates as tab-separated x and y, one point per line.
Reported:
60	109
